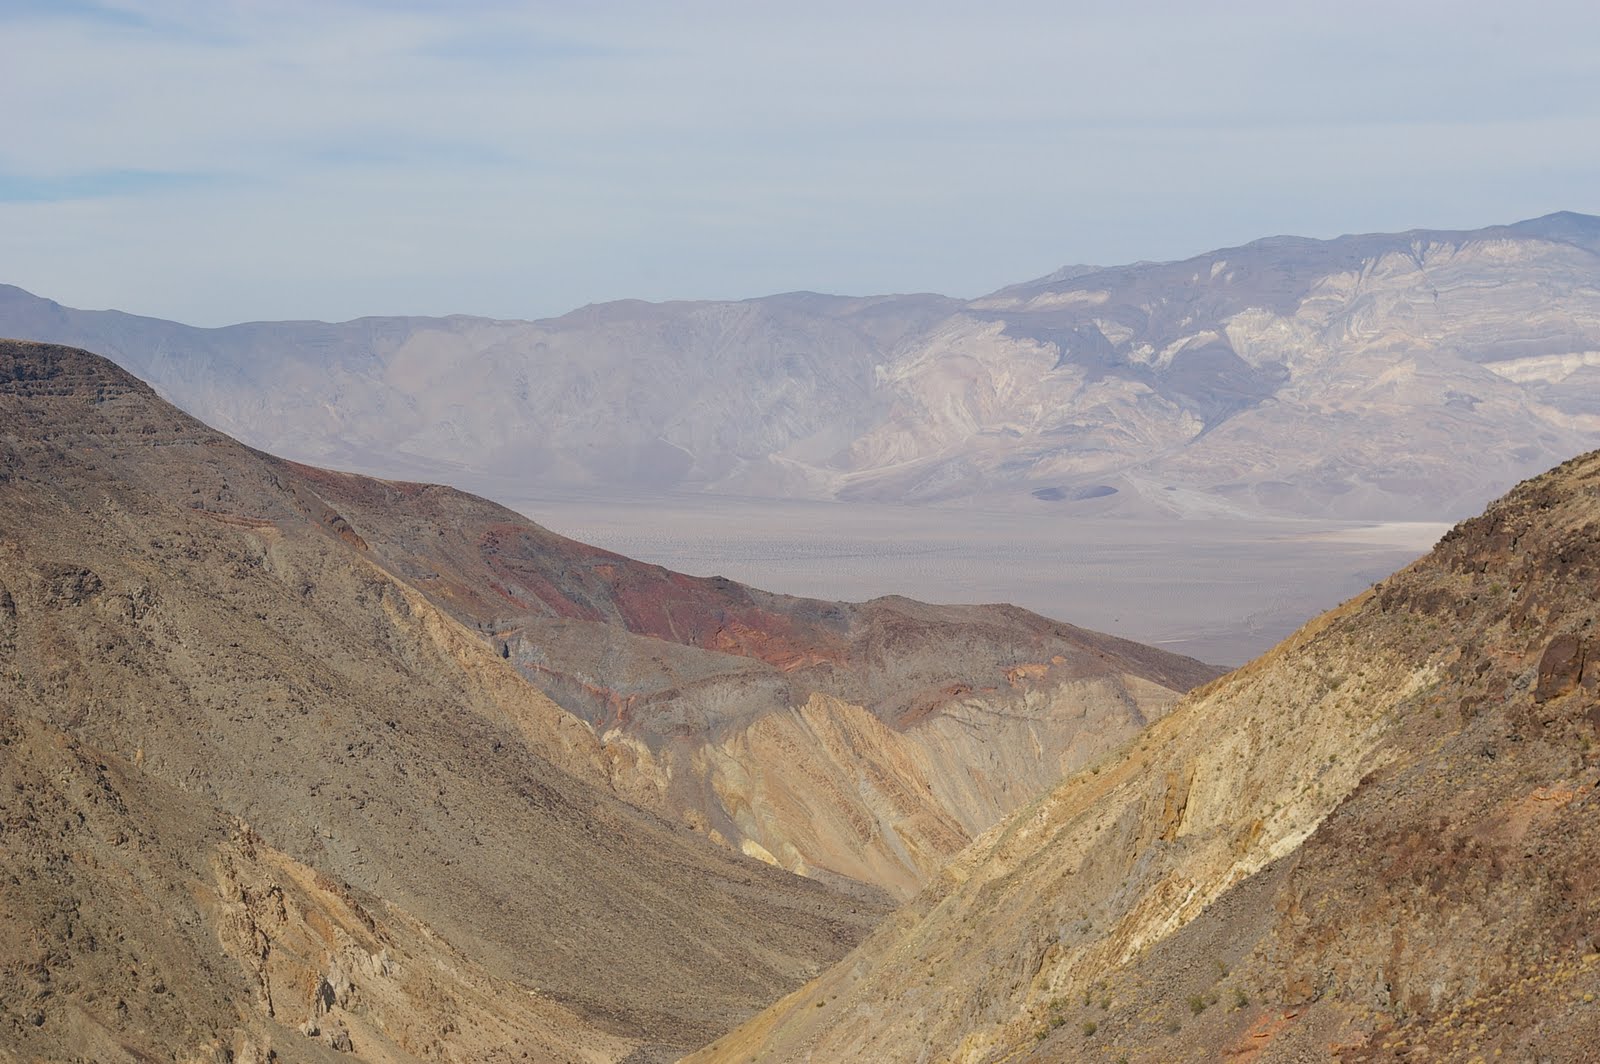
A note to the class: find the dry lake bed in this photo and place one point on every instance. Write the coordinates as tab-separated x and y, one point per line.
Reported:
1220	589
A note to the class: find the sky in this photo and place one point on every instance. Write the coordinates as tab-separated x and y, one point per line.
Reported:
212	161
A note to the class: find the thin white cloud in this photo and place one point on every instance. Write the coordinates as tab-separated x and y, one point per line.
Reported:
337	159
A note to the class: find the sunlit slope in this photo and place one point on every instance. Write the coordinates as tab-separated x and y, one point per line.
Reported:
1377	837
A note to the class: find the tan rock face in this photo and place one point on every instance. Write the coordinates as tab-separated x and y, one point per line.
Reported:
137	918
1374	842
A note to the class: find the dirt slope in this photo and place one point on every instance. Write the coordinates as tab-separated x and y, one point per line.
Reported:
1374	843
241	757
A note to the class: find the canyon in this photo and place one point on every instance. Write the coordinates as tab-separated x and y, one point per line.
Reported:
300	760
1372	843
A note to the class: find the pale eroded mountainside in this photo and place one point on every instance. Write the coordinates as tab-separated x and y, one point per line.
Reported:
1406	375
1377	842
273	759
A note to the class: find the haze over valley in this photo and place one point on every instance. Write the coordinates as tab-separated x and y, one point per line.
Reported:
1246	437
750	534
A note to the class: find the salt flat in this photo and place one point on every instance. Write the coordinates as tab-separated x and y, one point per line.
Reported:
1220	589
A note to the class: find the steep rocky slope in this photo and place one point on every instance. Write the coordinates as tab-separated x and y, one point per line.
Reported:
141	920
1408	375
1374	843
255	781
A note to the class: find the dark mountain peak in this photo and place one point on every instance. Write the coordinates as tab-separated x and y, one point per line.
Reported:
30	369
1574	219
1568	227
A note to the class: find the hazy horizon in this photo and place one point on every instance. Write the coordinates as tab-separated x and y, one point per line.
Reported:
224	163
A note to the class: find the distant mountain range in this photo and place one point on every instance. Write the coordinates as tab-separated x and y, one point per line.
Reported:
1410	375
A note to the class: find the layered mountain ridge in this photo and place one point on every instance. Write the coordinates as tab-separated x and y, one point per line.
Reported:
1382	376
1373	843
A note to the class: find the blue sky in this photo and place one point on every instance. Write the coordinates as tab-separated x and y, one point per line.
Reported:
215	162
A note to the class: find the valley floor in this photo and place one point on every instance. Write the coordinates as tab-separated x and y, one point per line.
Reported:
1219	589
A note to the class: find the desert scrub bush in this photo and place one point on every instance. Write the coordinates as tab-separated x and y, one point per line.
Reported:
1197	1004
1089	1028
1240	998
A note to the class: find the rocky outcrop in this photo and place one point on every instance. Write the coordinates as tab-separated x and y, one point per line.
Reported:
138	918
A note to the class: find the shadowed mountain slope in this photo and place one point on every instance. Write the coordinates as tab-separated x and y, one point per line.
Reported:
1379	376
1375	842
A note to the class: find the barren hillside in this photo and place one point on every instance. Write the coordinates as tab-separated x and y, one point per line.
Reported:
301	716
869	740
1374	843
254	781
